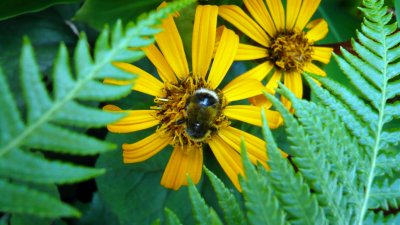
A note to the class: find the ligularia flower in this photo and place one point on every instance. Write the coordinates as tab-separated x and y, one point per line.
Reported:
283	48
190	109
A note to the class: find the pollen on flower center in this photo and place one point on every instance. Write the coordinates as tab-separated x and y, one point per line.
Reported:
290	51
171	111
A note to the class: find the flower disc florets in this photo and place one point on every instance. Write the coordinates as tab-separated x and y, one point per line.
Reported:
172	111
290	51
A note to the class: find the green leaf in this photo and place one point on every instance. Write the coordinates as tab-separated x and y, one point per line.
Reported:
171	218
203	214
397	10
385	193
340	108
375	51
35	93
387	163
232	212
10	119
125	187
97	12
41	204
341	25
262	206
11	8
316	158
34	168
97	213
379	218
65	141
21	219
294	195
89	117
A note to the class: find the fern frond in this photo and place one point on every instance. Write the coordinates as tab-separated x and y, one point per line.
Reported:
379	218
227	201
311	158
374	72
171	218
300	205
20	199
37	169
347	106
387	163
385	193
203	214
262	206
51	114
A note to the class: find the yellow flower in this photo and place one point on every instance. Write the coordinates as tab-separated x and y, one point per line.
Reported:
190	110
282	44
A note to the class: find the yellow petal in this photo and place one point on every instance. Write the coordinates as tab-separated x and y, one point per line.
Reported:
318	30
294	83
223	58
292	11
250	52
322	54
252	115
228	158
272	84
182	164
134	121
311	68
218	36
164	69
277	12
243	89
308	8
259	12
273	81
145	148
203	39
171	46
238	18
145	82
255	147
257	73
260	100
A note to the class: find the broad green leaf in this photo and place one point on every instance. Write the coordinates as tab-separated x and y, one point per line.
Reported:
20	219
341	25
97	213
97	12
144	204
11	8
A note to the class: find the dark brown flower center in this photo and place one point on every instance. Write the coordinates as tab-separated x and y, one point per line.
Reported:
290	51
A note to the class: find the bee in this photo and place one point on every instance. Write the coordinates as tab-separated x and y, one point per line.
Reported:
202	108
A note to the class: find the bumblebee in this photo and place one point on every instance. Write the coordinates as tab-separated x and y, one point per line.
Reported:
202	108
